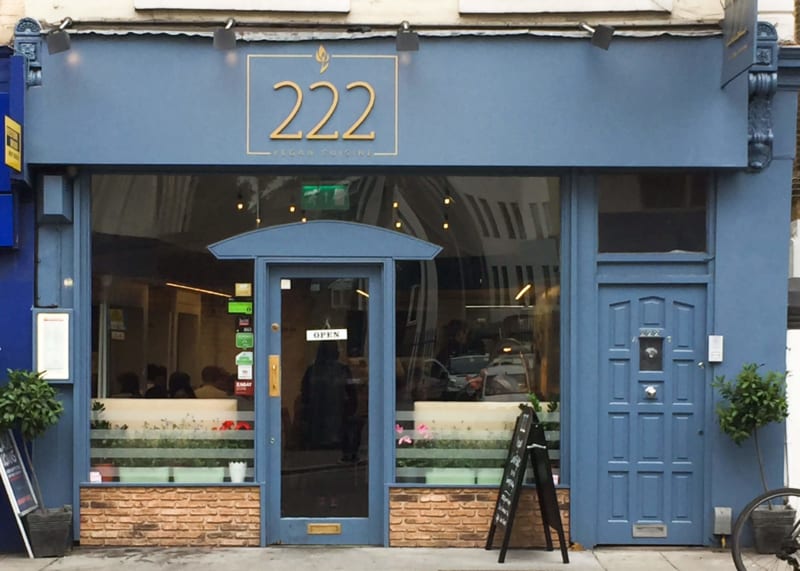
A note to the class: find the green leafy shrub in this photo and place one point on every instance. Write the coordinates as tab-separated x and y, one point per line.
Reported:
29	405
749	402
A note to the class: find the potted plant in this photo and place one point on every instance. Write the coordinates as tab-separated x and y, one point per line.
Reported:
28	404
99	427
143	462
449	460
749	402
237	469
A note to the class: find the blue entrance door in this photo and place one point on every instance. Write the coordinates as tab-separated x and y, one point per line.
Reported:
325	342
652	386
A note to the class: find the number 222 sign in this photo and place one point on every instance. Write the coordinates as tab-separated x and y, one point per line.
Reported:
319	105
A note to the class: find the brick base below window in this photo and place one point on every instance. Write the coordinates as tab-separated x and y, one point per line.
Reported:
196	516
451	517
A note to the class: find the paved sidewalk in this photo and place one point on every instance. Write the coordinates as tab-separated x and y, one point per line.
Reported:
372	558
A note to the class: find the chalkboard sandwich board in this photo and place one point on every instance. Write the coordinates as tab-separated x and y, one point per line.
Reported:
16	483
15	476
527	441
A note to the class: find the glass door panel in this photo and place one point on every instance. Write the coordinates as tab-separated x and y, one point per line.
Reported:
324	454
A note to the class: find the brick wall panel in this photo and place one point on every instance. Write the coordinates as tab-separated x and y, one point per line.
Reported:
170	517
425	517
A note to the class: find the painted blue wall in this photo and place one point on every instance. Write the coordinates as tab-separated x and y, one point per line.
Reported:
515	101
751	271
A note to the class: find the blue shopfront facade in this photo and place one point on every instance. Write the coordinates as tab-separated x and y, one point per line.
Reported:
464	105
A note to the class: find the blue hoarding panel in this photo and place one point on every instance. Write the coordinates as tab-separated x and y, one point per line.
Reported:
16	300
8	221
5	171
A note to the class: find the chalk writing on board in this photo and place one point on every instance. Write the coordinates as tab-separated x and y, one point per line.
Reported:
527	441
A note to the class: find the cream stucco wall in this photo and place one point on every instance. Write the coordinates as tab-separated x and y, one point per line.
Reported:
685	14
376	13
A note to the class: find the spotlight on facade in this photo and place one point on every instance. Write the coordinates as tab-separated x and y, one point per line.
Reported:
225	38
58	39
601	35
407	39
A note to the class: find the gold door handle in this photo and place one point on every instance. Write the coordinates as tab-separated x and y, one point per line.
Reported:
274	375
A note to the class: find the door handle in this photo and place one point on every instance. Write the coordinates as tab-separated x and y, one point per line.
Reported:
274	375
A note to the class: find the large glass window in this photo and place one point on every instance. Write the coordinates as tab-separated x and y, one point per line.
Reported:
477	328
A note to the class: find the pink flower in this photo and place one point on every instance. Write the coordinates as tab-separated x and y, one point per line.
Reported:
398	429
424	431
405	440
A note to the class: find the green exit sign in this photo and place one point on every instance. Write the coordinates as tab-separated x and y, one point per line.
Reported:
325	197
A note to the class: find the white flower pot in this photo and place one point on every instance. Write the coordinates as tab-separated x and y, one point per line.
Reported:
238	471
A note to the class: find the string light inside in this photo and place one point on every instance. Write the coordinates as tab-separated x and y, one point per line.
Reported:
240	202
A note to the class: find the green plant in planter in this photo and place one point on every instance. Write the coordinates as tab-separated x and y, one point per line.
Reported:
421	449
104	435
29	405
749	402
547	426
185	434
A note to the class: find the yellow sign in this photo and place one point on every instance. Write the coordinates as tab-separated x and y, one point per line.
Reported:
243	290
13	139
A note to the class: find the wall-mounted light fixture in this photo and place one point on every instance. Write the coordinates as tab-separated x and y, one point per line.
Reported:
58	39
407	39
239	202
225	38
601	35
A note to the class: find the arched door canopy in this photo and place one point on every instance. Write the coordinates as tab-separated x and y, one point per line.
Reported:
324	239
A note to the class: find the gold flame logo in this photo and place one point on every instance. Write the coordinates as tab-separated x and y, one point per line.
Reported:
323	58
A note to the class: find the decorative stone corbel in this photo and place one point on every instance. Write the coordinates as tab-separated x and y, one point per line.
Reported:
28	42
762	85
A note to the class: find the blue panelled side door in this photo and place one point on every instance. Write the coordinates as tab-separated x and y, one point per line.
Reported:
651	414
